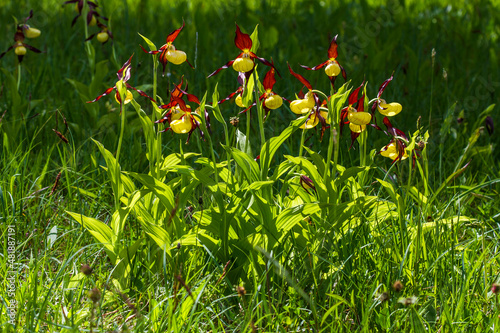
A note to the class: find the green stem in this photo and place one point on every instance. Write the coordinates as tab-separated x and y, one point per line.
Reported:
247	138
259	109
18	76
433	56
302	140
122	128
155	83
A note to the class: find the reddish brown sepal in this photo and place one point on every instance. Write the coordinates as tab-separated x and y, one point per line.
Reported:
242	40
353	97
173	35
332	50
384	85
269	80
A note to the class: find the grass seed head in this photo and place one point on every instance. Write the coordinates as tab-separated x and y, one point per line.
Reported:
397	286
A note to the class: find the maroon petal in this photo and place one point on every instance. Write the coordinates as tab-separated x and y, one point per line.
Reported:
107	92
74	19
227	65
384	85
361	104
489	125
354	136
34	49
142	93
353	97
189	64
150	52
344	75
29	16
10	48
323	64
90	37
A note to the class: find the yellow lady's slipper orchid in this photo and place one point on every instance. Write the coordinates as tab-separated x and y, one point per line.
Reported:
102	37
332	66
168	52
244	62
391	151
123	76
387	109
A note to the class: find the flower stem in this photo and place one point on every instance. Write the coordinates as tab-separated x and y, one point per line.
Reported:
302	140
155	83
18	76
122	128
259	109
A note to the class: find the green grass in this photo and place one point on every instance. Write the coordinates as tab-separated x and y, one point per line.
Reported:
171	230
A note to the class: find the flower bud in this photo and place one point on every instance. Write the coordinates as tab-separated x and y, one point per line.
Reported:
243	64
495	288
241	291
86	269
307	183
94	295
397	286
